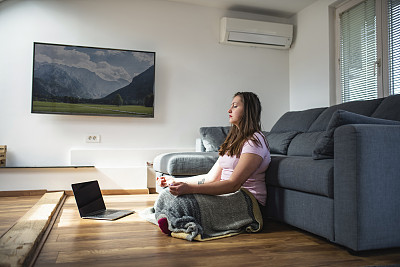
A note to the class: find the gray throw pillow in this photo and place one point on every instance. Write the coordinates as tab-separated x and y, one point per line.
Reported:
324	145
279	142
213	137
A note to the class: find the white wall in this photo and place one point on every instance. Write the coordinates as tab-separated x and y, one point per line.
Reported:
310	58
195	75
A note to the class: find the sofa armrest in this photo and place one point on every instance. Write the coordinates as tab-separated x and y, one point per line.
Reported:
185	163
367	186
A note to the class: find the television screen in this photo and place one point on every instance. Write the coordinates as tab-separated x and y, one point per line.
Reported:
92	81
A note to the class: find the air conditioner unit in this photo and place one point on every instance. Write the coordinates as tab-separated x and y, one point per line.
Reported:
256	33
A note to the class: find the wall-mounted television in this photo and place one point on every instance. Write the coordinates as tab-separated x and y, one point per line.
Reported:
78	80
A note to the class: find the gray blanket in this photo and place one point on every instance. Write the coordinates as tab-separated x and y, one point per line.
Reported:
205	217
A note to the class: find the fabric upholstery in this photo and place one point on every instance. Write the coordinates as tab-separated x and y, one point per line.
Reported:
367	186
388	109
301	174
313	213
324	147
303	144
296	121
289	128
279	142
185	163
213	137
360	107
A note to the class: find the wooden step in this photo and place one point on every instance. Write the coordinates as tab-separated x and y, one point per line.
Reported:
19	244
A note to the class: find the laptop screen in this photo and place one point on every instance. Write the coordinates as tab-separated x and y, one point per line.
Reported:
88	197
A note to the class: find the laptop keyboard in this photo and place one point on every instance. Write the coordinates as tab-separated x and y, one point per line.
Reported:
104	214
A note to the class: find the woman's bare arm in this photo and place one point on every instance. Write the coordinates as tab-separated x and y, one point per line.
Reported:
213	175
247	165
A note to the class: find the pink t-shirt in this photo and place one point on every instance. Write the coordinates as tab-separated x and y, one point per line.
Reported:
256	182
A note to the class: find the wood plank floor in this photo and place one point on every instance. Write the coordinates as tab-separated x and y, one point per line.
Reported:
19	244
13	208
131	241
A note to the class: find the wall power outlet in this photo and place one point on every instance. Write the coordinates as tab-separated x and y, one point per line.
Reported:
92	138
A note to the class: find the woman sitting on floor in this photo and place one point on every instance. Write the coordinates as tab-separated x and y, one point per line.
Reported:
243	158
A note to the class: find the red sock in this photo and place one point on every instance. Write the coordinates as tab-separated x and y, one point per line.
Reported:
163	224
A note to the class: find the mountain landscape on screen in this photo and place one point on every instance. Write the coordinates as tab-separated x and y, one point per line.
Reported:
90	81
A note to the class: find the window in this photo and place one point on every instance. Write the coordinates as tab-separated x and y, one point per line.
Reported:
368	49
394	46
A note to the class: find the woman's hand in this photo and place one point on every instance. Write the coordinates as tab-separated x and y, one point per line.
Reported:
180	188
165	181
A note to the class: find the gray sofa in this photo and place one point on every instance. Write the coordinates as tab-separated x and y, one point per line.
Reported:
335	172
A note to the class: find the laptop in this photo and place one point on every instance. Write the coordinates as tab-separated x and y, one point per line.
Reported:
91	205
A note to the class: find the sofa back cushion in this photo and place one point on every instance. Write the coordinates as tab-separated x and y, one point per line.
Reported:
296	121
388	109
304	143
365	108
279	142
288	127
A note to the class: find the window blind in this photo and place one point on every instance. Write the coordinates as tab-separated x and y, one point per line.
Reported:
358	52
394	46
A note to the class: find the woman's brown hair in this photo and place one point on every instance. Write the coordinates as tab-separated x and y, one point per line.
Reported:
249	124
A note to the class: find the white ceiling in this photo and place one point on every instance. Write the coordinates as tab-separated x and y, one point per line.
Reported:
280	8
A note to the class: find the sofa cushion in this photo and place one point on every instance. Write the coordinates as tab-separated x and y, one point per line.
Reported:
303	144
301	174
296	121
360	107
279	142
288	128
185	163
213	137
325	144
388	109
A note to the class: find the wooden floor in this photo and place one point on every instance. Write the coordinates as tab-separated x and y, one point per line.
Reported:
131	241
13	208
20	244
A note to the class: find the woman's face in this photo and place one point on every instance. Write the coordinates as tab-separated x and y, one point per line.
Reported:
236	111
